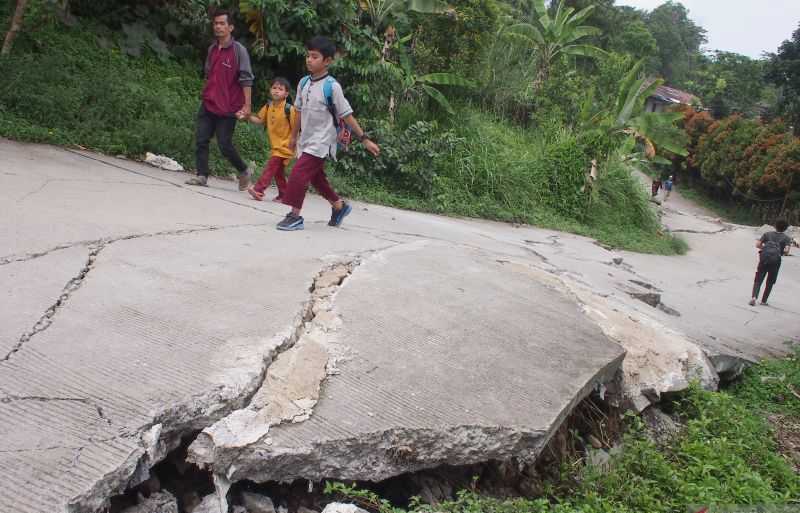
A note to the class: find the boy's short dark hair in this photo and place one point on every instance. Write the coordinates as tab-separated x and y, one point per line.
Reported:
282	81
781	225
222	12
322	45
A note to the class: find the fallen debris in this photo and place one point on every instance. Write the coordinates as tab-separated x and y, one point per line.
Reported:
162	162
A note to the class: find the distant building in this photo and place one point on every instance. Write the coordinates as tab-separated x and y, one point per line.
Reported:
664	97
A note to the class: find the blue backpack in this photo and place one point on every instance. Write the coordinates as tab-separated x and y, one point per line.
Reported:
342	131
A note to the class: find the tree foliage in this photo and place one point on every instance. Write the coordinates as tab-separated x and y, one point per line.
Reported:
679	40
552	35
729	83
783	70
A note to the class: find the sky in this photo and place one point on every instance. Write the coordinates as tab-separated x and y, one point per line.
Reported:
749	27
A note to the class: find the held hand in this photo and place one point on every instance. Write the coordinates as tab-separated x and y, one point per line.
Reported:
244	112
292	143
372	147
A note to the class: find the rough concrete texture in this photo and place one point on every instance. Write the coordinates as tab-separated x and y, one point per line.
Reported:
136	310
457	376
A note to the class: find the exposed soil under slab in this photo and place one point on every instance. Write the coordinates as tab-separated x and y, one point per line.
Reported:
594	422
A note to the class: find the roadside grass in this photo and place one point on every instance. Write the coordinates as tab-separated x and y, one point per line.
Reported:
500	172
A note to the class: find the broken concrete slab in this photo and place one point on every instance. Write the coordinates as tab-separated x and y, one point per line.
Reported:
165	335
436	374
128	365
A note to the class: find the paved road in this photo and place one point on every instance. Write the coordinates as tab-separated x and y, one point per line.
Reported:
135	310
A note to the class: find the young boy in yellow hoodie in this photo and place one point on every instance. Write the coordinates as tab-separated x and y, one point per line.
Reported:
279	117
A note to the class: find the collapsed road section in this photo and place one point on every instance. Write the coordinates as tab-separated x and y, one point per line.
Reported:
430	355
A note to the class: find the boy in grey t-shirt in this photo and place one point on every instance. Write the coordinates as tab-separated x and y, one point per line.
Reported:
318	137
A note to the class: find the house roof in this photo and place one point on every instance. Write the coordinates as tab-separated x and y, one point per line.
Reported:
672	95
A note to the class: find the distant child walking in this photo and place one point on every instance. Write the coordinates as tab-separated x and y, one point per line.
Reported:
279	117
322	108
667	188
772	246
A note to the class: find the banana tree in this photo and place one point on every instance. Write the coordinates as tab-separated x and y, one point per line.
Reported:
414	85
656	131
382	15
556	35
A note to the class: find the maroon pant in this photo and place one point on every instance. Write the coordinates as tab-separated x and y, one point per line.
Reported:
308	170
275	168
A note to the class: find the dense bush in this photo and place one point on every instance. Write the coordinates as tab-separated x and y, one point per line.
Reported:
476	165
411	159
745	160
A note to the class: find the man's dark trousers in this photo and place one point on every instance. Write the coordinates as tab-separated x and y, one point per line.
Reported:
770	271
208	125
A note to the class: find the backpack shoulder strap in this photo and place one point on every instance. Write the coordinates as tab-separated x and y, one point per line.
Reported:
304	81
327	90
287	109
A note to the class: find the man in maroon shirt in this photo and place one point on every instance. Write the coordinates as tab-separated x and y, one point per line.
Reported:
226	98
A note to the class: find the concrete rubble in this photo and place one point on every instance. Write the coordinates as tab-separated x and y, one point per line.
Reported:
137	311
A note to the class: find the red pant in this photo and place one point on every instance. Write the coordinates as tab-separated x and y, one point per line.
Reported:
276	167
308	170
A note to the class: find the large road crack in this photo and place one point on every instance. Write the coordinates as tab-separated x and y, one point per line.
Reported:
46	320
75	283
164	432
24	257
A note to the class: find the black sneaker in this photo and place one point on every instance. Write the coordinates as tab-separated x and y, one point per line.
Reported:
337	216
291	223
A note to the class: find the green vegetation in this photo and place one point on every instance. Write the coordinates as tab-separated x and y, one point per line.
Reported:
129	92
744	169
726	210
772	386
726	453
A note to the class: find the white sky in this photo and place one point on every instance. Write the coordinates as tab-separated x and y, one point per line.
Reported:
749	27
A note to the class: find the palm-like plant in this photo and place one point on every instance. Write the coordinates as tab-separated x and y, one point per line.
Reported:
556	35
413	84
655	130
380	11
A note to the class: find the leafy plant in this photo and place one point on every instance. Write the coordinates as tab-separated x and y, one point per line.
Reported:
556	35
656	132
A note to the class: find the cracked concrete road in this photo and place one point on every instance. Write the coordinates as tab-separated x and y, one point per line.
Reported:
136	310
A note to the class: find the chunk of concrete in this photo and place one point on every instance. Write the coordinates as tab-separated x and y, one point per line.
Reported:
340	507
210	504
257	503
446	378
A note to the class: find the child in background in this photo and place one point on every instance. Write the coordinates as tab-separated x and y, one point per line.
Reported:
280	117
668	188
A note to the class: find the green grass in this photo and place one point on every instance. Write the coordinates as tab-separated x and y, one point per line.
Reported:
769	386
505	173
